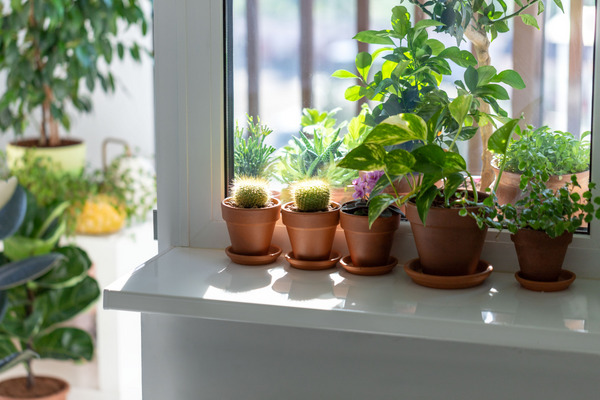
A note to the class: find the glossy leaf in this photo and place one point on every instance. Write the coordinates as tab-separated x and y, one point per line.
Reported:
65	344
462	58
453	162
363	63
15	359
529	20
354	93
429	159
424	201
485	74
20	247
69	271
398	129
63	304
19	272
342	73
510	77
374	37
378	204
13	213
500	139
459	108
399	162
471	78
366	157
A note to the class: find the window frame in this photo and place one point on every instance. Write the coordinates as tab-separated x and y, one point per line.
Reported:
190	111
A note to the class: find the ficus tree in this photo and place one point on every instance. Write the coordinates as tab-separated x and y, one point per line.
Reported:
480	21
52	51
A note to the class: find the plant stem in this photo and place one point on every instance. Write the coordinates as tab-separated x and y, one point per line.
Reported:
516	13
28	313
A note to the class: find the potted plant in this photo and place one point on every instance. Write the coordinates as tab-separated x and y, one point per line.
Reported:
252	157
555	153
251	214
541	226
448	244
50	52
41	287
369	244
311	219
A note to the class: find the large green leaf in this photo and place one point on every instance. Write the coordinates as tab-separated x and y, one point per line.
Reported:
499	141
13	213
399	162
374	37
20	247
424	201
65	344
453	162
429	159
459	108
69	271
485	74
23	327
63	304
462	58
19	272
363	64
16	358
378	204
400	21
366	157
510	77
398	129
342	73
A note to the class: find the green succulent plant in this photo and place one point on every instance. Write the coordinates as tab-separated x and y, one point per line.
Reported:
248	192
311	195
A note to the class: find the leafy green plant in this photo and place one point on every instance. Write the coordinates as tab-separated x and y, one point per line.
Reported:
311	195
542	209
481	21
252	156
249	192
410	76
42	286
552	152
51	50
431	162
318	148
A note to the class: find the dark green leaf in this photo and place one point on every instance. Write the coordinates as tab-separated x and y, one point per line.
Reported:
13	213
65	344
63	304
429	159
399	162
16	358
471	78
69	271
19	272
424	201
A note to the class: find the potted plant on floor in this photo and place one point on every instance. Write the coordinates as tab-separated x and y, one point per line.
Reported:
41	287
448	244
50	51
251	214
557	154
542	224
311	219
369	244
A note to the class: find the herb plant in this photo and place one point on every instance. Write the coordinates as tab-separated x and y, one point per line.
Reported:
52	50
553	152
252	157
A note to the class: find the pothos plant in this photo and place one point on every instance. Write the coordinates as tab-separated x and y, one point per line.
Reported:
51	50
431	162
410	77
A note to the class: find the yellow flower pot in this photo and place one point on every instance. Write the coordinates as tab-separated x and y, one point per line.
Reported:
69	157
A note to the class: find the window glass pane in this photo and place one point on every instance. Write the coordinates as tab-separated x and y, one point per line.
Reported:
285	52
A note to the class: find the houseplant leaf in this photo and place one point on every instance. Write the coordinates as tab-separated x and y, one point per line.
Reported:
68	271
16	358
65	344
63	304
18	272
13	213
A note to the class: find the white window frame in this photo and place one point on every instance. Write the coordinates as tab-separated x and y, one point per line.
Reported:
190	126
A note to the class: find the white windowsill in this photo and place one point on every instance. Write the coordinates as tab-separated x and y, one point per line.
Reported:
203	283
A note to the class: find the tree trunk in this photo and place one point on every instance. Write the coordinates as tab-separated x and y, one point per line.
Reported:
481	45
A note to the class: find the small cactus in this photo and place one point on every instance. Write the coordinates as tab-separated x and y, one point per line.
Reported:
250	192
311	195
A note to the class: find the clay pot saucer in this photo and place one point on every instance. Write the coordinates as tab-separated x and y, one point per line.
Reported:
310	265
564	281
414	271
243	259
368	271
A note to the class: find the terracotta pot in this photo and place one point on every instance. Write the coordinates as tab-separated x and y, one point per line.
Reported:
311	233
449	244
69	156
369	247
250	229
540	256
509	192
46	388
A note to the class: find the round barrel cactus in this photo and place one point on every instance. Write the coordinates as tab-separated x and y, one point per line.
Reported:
311	195
250	192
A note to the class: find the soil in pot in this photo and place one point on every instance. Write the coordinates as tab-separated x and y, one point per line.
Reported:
250	229
46	388
448	244
311	233
369	247
540	256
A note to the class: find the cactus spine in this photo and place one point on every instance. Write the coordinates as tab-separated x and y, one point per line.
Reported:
250	192
311	195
